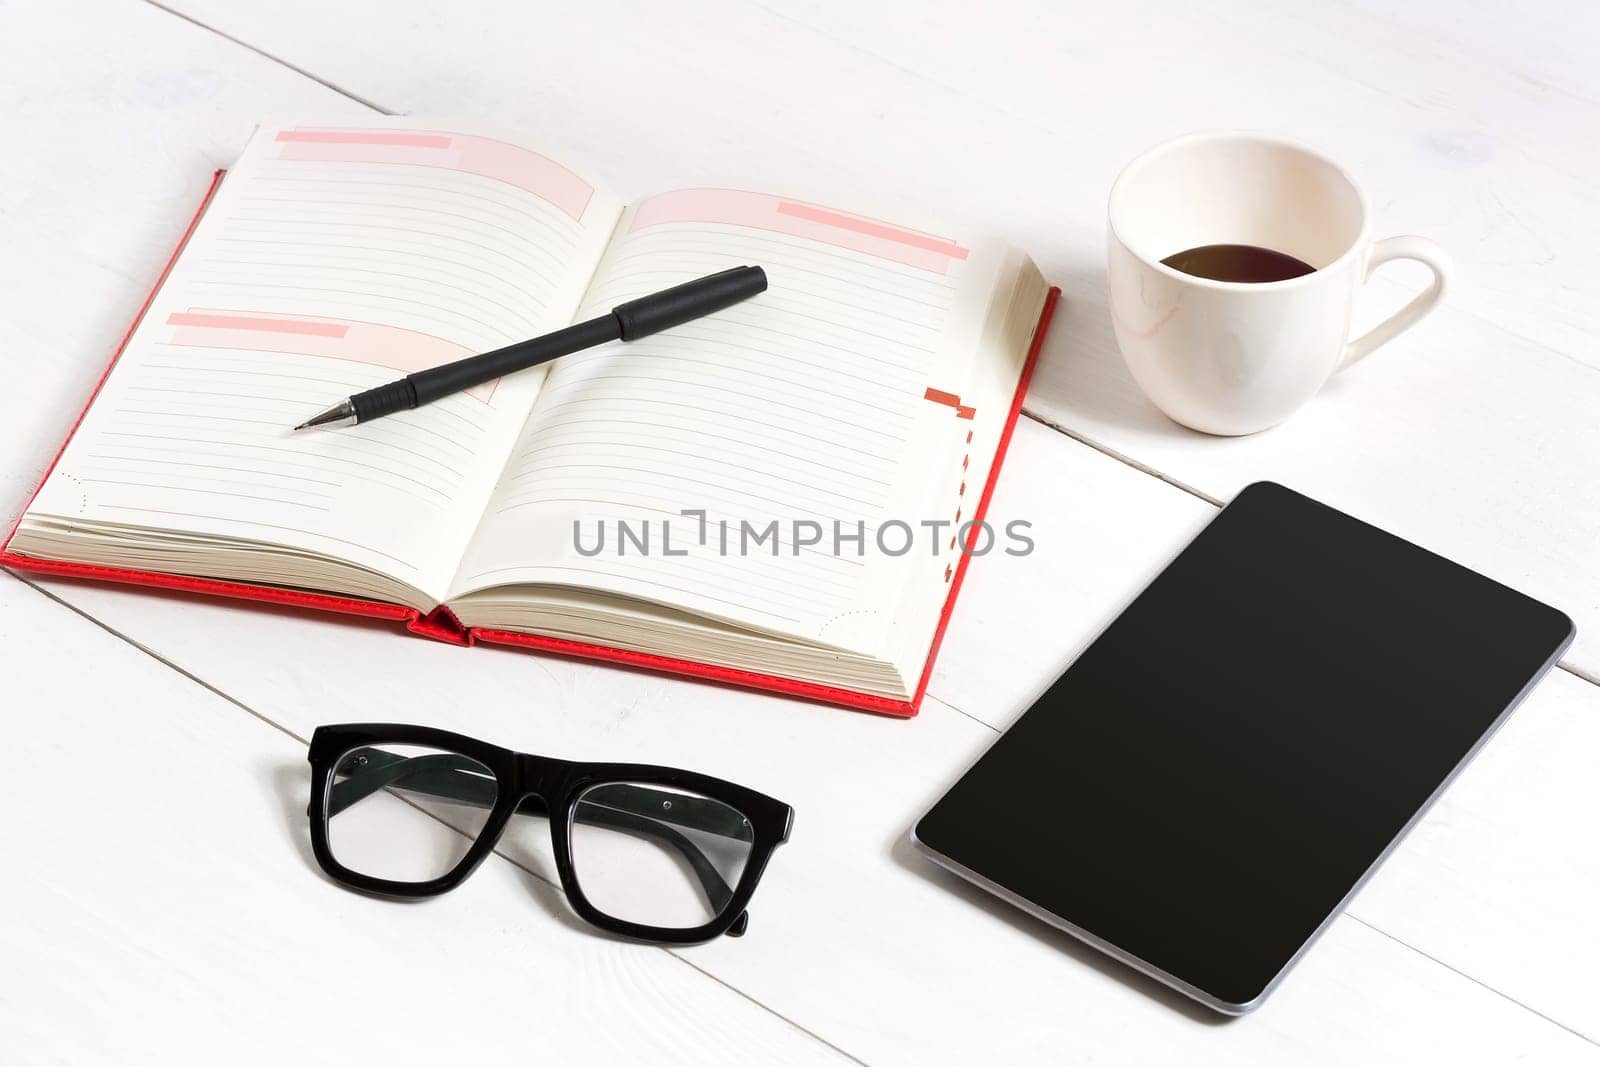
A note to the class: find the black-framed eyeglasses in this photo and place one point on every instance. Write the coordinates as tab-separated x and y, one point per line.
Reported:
653	853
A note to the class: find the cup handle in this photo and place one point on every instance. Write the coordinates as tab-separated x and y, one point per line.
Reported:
1423	251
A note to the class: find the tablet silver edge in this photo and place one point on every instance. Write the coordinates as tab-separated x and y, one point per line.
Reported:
1174	982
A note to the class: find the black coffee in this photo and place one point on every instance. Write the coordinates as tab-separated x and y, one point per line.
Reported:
1238	263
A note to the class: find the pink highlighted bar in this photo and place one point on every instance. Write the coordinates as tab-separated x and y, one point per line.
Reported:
248	322
760	211
872	229
398	349
465	153
409	140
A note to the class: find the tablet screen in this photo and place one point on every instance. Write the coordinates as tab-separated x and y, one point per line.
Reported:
1204	787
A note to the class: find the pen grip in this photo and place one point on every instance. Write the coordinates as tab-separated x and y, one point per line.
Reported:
437	382
384	400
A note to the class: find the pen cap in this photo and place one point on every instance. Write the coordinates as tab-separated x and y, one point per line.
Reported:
681	303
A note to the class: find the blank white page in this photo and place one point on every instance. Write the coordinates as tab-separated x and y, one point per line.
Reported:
829	398
334	259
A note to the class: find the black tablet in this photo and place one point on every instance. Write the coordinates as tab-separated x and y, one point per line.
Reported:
1206	786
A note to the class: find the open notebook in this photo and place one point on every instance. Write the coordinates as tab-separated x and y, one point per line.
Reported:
875	381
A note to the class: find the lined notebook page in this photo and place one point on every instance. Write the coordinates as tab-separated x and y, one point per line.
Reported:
832	398
334	259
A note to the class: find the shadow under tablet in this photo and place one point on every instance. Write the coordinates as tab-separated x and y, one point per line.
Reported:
1208	784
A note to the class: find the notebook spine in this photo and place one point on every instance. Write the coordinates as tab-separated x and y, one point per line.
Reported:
440	624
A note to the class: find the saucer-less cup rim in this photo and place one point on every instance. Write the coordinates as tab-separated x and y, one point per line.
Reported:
1117	210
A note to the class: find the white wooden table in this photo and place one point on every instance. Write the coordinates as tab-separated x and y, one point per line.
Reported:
157	900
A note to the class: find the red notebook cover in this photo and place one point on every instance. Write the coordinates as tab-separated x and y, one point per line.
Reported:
440	624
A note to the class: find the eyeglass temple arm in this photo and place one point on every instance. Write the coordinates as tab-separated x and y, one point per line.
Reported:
631	808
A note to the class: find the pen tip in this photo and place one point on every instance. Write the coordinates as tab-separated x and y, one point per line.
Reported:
341	414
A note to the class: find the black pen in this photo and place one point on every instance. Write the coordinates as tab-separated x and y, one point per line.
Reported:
627	322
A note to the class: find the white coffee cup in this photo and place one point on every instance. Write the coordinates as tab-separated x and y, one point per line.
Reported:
1237	357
